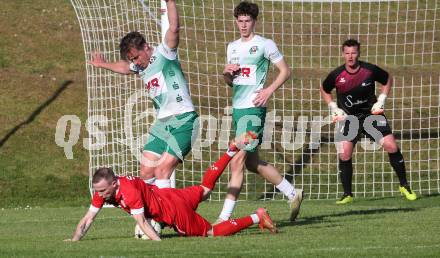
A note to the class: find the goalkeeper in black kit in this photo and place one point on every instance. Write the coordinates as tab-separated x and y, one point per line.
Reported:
359	111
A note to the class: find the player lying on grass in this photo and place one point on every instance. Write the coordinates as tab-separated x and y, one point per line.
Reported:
174	207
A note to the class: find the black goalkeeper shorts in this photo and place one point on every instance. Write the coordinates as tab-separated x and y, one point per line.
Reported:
375	127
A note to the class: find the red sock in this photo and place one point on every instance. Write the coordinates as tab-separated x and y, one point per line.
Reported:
214	171
232	226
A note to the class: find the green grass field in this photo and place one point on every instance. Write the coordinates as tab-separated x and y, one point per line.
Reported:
43	194
384	227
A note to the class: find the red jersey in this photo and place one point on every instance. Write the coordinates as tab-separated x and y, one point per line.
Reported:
175	207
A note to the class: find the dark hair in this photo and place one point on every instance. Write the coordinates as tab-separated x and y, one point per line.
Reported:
103	173
246	8
351	43
133	39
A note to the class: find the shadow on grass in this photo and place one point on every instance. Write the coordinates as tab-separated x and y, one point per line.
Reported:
168	235
36	112
379	199
323	218
428	196
296	168
280	224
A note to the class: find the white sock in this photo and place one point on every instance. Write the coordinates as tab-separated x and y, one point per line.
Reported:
228	207
231	153
255	218
150	181
287	189
163	183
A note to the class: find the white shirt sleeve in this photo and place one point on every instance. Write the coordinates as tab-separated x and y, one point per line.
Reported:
137	211
167	52
94	209
271	52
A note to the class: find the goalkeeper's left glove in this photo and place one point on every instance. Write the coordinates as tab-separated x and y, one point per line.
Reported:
377	108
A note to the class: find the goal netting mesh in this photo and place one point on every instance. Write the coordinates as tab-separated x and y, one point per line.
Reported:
401	36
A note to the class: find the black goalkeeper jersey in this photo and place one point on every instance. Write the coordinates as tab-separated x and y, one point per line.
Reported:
356	92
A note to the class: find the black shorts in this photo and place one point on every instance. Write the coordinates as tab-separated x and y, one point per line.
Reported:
375	127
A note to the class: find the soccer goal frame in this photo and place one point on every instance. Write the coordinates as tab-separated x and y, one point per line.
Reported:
400	36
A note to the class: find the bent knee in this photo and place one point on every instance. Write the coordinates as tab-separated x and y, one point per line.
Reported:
344	157
252	166
391	148
146	172
390	145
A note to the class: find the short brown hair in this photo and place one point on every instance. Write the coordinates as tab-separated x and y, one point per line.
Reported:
103	173
246	8
133	39
351	43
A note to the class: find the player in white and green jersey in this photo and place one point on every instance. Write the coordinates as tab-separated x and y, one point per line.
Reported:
170	137
248	60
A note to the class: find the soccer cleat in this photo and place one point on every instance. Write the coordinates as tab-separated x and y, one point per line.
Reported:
346	198
295	204
218	221
265	221
242	141
409	194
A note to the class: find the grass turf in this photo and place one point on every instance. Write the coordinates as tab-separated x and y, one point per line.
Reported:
41	48
383	227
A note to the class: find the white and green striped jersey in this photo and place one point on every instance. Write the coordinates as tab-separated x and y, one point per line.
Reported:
165	83
253	56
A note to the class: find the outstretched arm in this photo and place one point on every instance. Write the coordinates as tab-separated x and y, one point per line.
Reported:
146	228
83	225
172	34
121	66
263	95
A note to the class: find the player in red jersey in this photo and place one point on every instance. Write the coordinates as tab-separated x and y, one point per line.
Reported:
174	207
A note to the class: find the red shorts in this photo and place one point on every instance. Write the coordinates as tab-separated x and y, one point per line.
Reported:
187	221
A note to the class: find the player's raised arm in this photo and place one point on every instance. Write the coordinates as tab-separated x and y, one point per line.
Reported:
146	228
172	34
83	225
121	66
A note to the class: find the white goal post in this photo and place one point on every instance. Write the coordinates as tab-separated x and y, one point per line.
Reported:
401	36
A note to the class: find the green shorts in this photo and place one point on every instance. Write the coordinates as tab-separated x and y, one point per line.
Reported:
249	119
173	135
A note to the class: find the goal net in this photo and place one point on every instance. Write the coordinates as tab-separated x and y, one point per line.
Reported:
401	36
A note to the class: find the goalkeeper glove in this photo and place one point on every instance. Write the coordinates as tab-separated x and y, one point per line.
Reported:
377	108
337	113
